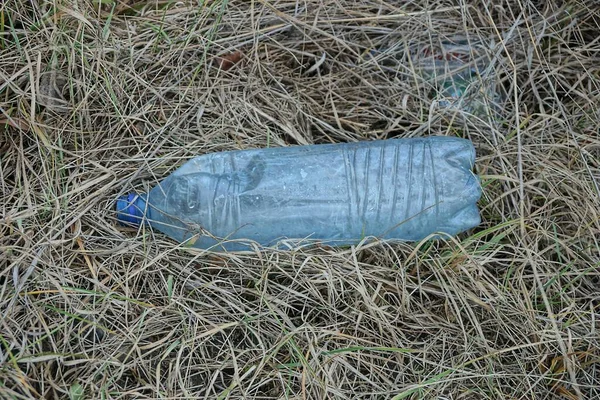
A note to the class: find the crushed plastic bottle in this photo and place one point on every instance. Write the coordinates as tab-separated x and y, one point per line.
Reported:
334	194
462	76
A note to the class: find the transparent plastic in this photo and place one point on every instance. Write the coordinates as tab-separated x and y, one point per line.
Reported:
334	194
463	75
459	73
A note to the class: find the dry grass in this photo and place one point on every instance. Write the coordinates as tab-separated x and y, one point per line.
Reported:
96	101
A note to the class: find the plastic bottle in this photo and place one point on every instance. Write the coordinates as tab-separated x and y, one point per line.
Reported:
335	194
460	73
462	76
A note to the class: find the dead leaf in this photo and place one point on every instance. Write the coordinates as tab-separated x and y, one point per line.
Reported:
227	61
15	123
565	393
556	368
132	7
49	93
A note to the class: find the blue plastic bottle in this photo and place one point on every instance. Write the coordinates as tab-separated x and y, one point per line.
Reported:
335	194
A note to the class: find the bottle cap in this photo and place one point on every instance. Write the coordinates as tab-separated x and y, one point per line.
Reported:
128	211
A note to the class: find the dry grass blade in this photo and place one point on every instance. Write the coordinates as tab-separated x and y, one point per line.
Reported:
102	97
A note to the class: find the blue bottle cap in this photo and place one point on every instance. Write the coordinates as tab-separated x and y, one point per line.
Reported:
128	211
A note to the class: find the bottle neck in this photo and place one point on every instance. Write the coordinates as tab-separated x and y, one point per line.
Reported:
132	210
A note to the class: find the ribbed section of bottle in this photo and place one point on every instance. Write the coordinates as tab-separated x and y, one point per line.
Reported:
337	194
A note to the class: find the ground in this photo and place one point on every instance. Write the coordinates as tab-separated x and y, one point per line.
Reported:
99	98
